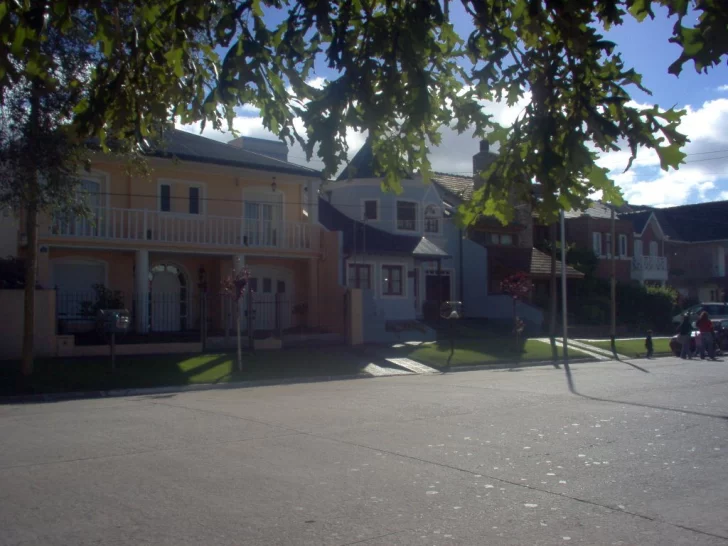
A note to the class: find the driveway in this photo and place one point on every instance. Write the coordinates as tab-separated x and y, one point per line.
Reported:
637	456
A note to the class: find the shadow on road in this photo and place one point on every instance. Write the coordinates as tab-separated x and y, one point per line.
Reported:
572	389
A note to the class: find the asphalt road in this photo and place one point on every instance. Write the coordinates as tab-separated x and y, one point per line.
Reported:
488	457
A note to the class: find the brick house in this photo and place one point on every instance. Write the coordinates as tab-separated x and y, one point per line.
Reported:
693	240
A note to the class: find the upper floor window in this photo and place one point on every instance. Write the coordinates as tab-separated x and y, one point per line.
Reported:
371	210
165	198
406	215
359	276
597	243
432	219
503	239
654	249
608	249
194	198
622	245
180	197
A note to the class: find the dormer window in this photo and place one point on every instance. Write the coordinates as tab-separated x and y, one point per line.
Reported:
432	219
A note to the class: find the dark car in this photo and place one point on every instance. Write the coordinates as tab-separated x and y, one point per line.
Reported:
720	327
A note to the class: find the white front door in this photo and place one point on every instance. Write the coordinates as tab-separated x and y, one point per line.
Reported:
165	302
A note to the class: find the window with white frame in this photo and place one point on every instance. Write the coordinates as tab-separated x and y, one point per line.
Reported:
173	200
359	276
622	245
608	249
165	197
432	219
502	239
597	243
392	280
406	215
370	210
654	249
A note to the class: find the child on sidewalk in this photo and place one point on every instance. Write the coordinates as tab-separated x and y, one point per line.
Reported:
648	344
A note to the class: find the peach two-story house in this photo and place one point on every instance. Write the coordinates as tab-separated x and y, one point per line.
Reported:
165	242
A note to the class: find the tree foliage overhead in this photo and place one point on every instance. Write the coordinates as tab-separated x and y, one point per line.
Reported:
401	72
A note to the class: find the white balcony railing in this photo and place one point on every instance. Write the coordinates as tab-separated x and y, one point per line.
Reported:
649	263
163	227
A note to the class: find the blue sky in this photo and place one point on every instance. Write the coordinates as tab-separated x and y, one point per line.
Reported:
645	47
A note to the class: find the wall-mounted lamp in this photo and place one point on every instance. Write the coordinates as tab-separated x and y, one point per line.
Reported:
202	278
273	185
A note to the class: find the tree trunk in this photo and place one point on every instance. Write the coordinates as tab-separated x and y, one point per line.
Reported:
554	296
31	260
31	228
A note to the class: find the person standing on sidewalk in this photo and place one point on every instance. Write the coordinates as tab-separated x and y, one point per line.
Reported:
705	326
684	332
649	345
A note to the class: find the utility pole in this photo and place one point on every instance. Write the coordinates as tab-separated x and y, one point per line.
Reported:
613	329
564	319
565	326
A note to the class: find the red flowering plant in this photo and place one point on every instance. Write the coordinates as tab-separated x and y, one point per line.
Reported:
518	286
234	285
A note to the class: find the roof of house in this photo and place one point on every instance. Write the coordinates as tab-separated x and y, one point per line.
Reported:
364	165
361	238
541	265
190	147
537	264
689	223
597	209
638	219
459	186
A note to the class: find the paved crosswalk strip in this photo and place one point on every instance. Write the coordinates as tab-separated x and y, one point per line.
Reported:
378	371
411	365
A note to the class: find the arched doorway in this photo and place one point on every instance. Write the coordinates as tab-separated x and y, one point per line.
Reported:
168	305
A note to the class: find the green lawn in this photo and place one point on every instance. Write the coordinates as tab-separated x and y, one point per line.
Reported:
634	347
471	351
84	374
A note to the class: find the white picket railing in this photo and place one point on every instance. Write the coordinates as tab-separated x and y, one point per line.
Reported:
163	227
649	263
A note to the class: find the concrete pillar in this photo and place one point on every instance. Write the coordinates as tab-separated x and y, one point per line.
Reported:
141	290
313	292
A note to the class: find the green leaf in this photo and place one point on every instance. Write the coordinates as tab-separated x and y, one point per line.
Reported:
670	156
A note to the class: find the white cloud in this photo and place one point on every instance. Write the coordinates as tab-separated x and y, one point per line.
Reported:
703	177
699	179
723	88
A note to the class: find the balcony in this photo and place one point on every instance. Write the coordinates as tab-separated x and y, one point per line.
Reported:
649	268
132	225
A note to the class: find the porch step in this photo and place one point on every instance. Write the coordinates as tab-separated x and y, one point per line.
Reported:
411	365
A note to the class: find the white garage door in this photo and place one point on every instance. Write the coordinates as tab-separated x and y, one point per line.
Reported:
74	282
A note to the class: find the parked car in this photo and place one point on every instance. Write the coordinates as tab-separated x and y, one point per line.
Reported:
720	328
716	310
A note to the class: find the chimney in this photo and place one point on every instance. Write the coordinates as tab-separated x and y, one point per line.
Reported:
270	148
481	161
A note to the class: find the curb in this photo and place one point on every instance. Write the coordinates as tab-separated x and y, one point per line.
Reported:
116	393
148	391
506	365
